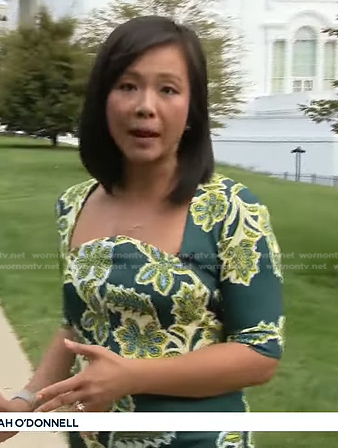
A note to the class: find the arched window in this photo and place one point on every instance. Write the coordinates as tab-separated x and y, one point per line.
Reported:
304	61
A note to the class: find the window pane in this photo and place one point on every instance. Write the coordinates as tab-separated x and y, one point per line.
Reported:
297	86
278	66
330	63
304	59
308	85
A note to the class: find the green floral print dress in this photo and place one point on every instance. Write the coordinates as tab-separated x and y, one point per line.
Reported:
141	302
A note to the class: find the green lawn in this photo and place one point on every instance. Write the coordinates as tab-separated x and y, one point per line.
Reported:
305	220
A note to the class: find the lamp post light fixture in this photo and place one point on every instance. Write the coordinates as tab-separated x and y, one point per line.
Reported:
298	152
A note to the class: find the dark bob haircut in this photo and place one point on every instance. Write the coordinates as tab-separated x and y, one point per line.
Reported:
99	153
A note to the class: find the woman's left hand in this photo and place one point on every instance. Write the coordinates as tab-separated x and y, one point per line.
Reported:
106	379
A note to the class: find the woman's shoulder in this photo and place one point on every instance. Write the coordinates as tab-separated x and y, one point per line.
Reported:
75	194
223	186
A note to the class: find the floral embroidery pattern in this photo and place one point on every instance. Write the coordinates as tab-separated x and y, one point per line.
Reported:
238	252
239	261
94	260
209	208
136	342
230	440
74	194
126	404
128	302
159	271
262	333
189	303
96	317
273	246
140	439
195	326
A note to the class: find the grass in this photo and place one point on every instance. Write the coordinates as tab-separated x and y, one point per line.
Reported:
304	218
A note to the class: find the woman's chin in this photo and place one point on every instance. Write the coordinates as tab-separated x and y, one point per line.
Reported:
141	157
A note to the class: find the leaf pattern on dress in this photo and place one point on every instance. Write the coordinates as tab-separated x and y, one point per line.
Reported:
230	440
144	439
262	334
238	251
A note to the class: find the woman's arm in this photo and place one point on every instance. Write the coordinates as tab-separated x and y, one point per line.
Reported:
210	371
54	367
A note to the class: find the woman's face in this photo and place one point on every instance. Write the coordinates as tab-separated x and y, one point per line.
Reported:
148	107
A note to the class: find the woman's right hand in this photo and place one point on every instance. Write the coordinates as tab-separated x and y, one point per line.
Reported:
12	406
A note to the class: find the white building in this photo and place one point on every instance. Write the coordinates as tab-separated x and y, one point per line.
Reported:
288	61
286	50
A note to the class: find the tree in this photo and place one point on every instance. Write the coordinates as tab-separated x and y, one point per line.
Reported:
219	41
324	110
43	76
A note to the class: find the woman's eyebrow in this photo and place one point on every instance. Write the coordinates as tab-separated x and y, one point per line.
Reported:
164	75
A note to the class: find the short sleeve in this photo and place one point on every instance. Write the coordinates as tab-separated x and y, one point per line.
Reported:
250	276
66	320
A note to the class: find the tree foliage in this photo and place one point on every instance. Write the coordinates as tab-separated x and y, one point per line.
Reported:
219	40
324	110
43	75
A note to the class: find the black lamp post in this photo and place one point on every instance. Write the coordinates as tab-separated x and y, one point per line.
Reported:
298	151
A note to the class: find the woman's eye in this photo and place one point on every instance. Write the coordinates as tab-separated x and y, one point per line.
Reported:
169	90
127	86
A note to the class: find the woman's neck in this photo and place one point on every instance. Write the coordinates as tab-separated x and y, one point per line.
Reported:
148	183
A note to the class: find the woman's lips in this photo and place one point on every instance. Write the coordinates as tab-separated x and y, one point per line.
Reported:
144	133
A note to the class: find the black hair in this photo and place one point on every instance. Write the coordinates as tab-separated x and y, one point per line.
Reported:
98	151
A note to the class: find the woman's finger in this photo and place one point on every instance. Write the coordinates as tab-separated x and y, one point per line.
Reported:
63	400
58	389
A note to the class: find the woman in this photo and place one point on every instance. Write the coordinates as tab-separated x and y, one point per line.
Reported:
172	280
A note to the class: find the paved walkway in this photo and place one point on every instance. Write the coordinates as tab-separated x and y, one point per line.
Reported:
15	371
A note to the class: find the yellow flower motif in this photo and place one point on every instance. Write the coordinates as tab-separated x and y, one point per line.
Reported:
93	260
230	440
240	261
136	342
160	269
209	209
190	303
238	246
